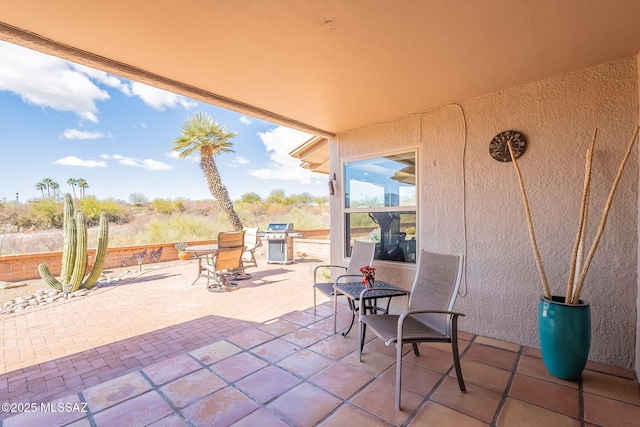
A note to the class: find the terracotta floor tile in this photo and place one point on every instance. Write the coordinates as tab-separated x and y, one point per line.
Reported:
522	414
305	363
415	378
379	399
348	415
498	343
493	356
215	352
192	387
171	369
372	361
261	418
267	383
294	405
275	350
238	366
441	346
556	397
477	402
140	410
440	361
341	379
610	386
608	412
530	351
436	415
250	338
534	367
335	346
611	370
325	326
278	328
222	408
484	375
115	391
300	318
173	420
304	337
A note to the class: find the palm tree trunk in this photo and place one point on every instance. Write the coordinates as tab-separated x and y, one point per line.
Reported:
219	191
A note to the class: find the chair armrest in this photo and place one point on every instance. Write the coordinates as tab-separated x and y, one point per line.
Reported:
348	275
315	270
405	314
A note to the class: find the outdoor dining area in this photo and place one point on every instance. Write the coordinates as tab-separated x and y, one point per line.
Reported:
157	350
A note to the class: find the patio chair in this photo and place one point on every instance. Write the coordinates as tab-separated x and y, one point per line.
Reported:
361	255
233	239
429	317
224	263
251	241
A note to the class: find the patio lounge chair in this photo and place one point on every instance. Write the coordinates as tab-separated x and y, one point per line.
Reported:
361	255
224	262
251	241
429	317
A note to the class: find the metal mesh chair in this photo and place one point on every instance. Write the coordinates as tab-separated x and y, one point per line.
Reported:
429	317
361	255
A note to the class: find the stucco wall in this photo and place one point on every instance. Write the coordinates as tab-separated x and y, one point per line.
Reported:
470	203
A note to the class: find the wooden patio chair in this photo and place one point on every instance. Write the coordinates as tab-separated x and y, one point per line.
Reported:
361	255
429	317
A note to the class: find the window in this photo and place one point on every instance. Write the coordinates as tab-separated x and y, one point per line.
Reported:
380	205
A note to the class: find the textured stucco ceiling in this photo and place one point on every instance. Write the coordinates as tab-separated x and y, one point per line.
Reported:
334	65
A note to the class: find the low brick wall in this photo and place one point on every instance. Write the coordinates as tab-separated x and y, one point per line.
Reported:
313	248
14	268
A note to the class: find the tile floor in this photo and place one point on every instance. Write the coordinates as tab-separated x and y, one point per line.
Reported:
284	370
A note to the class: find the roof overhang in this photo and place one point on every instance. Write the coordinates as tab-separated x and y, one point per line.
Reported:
331	66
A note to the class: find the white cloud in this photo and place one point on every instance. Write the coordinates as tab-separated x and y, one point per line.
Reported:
75	161
144	164
238	161
279	142
158	98
81	134
104	78
245	120
47	81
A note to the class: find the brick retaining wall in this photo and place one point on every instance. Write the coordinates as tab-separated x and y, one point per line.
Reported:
14	268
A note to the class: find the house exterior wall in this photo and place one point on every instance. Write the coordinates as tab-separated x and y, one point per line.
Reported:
470	203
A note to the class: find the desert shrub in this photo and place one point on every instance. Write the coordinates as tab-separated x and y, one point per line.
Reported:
181	227
117	212
165	207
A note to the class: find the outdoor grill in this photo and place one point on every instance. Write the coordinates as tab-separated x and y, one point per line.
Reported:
279	239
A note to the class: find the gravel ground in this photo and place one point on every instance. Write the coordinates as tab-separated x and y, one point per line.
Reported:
35	284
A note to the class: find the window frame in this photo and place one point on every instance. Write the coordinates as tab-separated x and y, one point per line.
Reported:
414	209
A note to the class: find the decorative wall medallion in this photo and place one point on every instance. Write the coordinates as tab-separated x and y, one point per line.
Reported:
499	149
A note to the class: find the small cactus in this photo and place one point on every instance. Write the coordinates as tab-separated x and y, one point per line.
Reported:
74	253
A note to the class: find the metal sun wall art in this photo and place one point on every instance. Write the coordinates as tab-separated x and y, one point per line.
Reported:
500	151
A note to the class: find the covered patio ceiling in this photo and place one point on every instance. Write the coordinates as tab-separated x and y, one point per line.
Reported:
328	66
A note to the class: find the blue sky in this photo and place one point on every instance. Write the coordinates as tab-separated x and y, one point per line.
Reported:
61	120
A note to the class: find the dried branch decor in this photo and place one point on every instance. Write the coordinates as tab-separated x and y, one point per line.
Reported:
578	269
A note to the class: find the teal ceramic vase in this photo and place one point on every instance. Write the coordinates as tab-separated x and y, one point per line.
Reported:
565	336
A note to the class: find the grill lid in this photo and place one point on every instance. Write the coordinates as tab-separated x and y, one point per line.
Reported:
282	227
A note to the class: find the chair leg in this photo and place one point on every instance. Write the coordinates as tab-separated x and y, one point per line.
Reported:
398	372
361	327
415	349
456	354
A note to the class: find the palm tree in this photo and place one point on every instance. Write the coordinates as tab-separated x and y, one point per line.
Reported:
47	184
80	182
200	133
40	186
73	182
55	187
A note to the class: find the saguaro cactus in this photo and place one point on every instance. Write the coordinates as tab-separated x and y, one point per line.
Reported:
74	252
